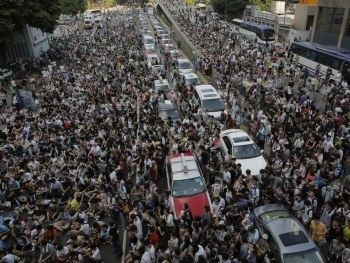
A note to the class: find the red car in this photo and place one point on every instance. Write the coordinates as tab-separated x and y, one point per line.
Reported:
186	184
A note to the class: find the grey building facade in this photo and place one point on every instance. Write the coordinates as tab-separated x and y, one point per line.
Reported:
331	24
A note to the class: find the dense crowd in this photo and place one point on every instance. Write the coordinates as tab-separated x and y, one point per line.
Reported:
69	165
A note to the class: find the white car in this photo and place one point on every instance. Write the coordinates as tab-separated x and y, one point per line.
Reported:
184	66
152	59
238	144
148	42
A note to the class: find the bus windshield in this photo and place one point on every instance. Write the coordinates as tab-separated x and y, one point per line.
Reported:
96	12
268	34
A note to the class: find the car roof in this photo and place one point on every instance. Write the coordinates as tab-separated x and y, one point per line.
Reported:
152	55
190	76
183	166
166	105
265	208
238	136
207	92
161	82
179	60
288	231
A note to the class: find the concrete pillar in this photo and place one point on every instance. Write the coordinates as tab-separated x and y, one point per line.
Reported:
314	24
343	27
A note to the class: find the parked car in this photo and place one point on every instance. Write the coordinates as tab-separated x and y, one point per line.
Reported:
173	55
289	241
192	79
186	184
166	48
167	110
184	66
238	144
162	86
152	59
208	98
280	50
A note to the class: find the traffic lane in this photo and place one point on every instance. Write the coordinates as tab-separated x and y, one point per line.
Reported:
185	50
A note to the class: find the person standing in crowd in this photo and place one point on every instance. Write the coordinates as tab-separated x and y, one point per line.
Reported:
93	149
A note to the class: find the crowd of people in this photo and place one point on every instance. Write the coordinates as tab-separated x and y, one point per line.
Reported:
69	165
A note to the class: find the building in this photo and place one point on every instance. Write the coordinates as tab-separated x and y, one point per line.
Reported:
290	22
331	24
28	43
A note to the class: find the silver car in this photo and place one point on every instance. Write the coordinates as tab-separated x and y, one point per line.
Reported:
288	239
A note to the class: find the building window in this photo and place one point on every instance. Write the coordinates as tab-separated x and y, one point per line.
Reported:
330	19
347	33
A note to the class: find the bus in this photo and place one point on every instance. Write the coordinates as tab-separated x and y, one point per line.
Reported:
312	54
236	23
264	34
96	12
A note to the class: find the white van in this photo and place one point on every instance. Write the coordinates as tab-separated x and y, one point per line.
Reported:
88	20
98	22
207	97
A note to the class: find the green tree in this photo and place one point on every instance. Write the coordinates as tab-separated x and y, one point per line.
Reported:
70	7
263	4
36	13
231	8
191	2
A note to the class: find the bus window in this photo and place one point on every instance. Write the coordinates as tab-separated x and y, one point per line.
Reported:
268	34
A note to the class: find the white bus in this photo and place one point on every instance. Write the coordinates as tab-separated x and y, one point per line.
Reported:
312	54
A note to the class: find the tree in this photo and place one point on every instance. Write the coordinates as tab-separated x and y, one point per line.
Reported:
70	7
36	13
231	8
263	4
191	2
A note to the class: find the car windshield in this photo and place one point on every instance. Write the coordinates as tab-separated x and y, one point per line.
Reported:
173	113
246	151
188	187
185	65
309	256
272	215
163	88
213	105
149	41
175	54
150	59
194	81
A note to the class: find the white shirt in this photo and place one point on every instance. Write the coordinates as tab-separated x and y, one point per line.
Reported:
152	251
170	220
85	228
200	252
138	224
34	233
10	258
96	254
227	177
113	176
253	237
63	252
146	258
